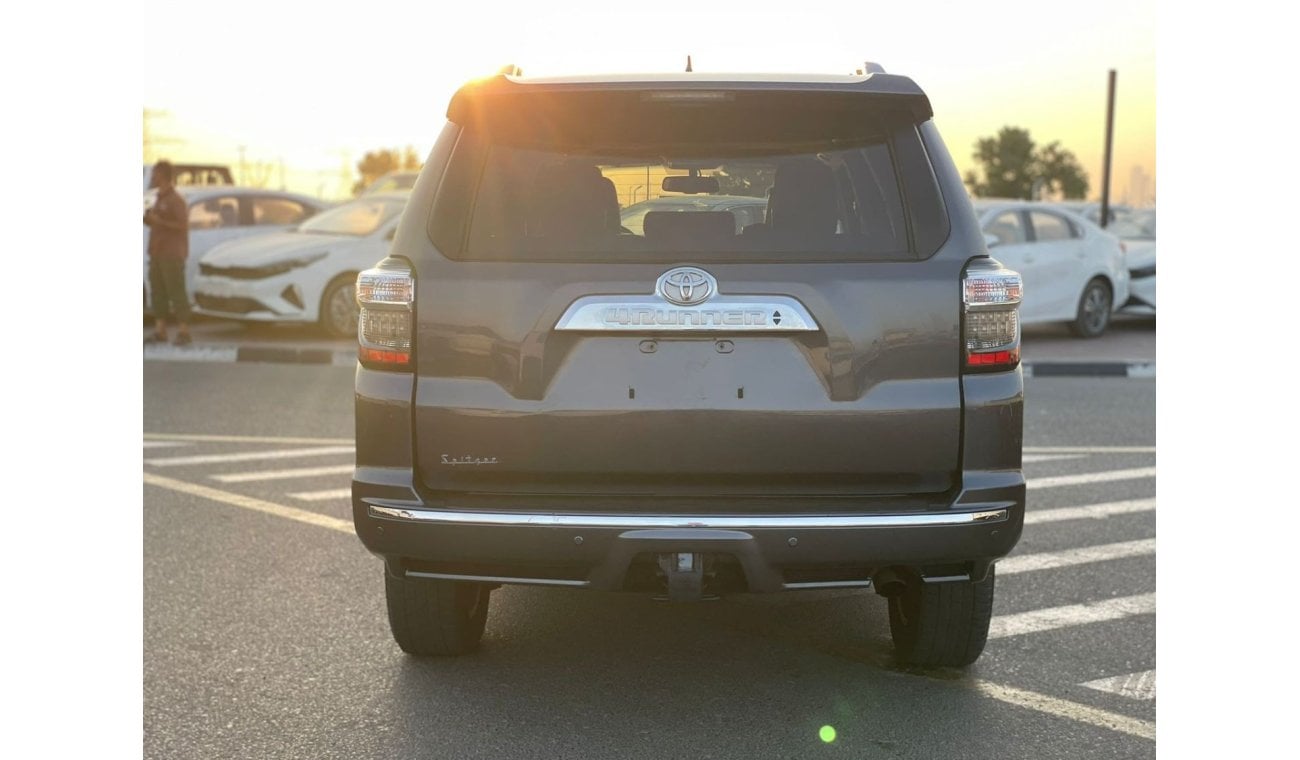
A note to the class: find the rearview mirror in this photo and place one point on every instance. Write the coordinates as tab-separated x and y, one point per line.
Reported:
991	240
692	185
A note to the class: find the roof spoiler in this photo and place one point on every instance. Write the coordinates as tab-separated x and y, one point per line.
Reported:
894	90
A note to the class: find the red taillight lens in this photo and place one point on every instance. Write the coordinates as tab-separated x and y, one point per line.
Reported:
386	295
991	320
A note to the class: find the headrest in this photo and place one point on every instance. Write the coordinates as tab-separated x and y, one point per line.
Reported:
804	198
571	199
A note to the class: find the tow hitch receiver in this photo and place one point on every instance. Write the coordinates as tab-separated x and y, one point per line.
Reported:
685	575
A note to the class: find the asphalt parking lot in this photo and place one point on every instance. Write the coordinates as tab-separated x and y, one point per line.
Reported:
265	633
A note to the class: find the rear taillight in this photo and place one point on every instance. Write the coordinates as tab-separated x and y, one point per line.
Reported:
386	295
991	322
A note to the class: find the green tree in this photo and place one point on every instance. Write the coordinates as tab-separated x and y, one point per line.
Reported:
377	163
1012	166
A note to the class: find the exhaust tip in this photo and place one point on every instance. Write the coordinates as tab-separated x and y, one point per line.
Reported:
889	583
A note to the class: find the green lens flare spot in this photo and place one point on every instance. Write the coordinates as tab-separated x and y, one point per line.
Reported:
827	734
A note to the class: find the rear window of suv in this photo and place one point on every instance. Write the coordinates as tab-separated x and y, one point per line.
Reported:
697	181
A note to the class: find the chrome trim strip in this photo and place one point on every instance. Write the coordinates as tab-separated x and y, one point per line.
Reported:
633	522
644	313
826	584
499	579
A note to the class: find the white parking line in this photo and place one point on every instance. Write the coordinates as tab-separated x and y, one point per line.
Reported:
1064	709
1090	512
1053	618
1026	563
249	456
238	438
333	493
1090	449
1134	685
301	472
164	444
248	502
1105	476
1031	458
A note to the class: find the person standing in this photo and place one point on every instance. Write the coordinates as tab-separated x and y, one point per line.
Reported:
169	246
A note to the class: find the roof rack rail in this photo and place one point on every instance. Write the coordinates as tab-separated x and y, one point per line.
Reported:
870	67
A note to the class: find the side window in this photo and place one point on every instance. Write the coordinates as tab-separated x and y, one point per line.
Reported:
278	211
214	213
1049	227
1006	227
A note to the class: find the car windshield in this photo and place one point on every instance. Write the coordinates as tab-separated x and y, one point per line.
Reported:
357	218
1139	225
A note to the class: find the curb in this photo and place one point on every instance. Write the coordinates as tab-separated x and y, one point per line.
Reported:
1090	369
348	358
257	354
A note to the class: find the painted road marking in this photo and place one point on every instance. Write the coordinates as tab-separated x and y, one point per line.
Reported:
333	493
301	472
247	456
1105	476
1019	697
248	502
239	438
1065	709
164	444
1090	449
202	437
1134	685
1091	511
1052	618
1031	458
1047	560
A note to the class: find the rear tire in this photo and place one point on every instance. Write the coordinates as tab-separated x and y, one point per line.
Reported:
942	624
1093	314
433	617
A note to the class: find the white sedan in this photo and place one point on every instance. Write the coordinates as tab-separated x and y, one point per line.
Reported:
223	212
306	274
1073	271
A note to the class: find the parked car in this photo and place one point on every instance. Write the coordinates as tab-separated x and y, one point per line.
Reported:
303	274
745	209
221	213
193	174
831	398
1073	270
392	182
1138	231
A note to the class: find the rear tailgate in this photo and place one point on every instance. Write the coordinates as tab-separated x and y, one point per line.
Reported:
811	361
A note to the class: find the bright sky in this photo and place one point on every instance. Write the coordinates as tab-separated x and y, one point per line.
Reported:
317	85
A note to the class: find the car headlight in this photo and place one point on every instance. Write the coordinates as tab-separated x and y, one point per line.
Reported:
261	272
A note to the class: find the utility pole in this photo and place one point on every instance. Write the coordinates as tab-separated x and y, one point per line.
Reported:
1110	134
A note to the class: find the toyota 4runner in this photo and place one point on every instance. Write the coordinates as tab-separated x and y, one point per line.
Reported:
825	394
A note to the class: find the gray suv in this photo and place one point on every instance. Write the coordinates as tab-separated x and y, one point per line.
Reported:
826	396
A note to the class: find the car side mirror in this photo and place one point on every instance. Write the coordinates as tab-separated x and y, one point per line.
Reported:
991	240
